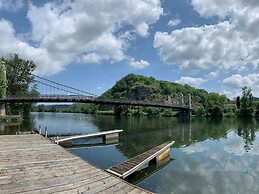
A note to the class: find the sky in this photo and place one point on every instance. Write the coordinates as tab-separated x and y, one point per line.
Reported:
91	44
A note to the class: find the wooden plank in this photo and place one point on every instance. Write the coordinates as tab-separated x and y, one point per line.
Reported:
124	169
88	135
121	187
33	164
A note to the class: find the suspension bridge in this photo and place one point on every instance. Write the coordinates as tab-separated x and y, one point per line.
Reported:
58	92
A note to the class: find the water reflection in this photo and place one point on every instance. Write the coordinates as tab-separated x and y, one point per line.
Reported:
210	156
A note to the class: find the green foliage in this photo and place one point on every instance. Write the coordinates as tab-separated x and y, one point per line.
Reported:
246	109
34	90
118	110
257	110
199	111
18	73
138	87
3	81
41	108
216	111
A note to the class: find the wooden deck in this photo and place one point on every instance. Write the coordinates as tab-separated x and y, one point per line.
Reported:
34	164
97	134
125	169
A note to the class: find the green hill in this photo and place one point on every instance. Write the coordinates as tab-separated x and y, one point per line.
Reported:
138	87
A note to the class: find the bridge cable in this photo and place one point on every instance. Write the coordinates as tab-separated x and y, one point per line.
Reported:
88	93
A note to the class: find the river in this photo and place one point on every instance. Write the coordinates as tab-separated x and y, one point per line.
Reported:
209	156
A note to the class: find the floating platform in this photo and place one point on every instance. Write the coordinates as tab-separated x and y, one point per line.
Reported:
126	168
34	164
108	136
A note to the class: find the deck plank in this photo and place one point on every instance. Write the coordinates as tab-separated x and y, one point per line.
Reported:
31	163
128	167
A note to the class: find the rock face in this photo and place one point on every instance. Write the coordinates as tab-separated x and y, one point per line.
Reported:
140	93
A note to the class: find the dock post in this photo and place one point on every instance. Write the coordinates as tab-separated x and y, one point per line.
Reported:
46	132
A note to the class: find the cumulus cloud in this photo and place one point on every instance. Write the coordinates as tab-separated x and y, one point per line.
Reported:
235	82
228	45
191	81
80	31
139	64
11	5
174	22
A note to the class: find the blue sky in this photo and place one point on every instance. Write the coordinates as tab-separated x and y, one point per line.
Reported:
91	44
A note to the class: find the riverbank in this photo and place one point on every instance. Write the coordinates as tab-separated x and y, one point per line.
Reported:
10	119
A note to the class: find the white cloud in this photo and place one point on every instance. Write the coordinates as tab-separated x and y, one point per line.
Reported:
11	5
11	44
211	8
80	31
213	74
174	22
139	64
230	45
191	81
235	82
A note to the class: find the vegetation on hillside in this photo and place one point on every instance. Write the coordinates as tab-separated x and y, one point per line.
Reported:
137	87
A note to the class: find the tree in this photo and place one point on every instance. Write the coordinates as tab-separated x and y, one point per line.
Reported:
19	78
246	108
34	90
238	102
216	111
3	82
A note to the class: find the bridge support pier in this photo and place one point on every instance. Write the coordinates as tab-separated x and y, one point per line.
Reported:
2	110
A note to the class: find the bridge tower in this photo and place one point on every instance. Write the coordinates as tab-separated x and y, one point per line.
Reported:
2	105
190	101
186	112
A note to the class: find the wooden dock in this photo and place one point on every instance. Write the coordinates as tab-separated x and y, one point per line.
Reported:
107	135
125	169
34	164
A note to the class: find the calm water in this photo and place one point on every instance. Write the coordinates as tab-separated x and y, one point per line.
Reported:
209	156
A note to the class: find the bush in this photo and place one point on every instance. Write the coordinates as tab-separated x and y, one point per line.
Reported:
216	111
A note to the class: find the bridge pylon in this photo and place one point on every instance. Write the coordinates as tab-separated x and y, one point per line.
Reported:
190	101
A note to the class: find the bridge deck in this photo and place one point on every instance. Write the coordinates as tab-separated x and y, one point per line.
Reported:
34	164
127	168
89	99
97	134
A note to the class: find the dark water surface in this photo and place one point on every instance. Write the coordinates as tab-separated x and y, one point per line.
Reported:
209	156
